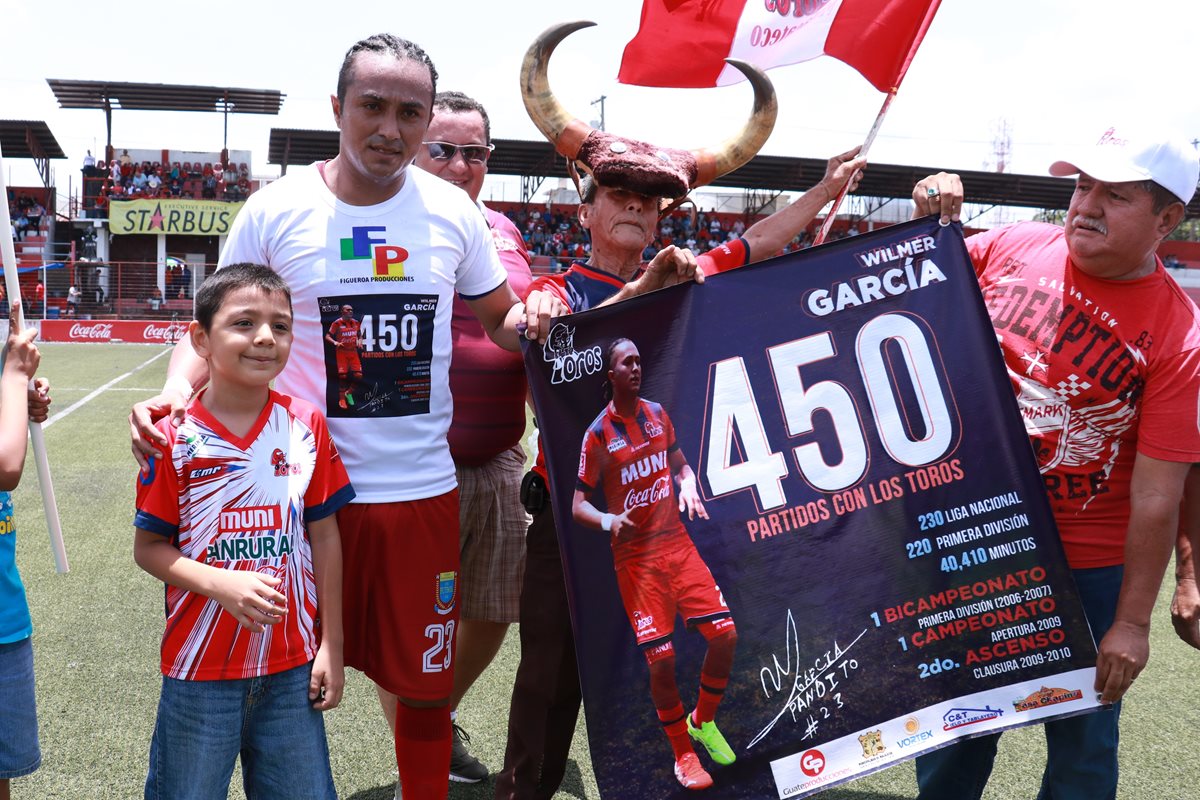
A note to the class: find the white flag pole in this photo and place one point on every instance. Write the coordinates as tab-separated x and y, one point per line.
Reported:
13	287
837	201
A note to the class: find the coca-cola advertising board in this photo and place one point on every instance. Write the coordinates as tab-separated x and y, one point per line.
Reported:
101	331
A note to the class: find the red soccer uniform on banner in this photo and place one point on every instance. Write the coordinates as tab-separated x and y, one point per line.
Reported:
242	504
629	458
345	332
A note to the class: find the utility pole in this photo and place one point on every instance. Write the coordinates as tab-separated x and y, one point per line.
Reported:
600	102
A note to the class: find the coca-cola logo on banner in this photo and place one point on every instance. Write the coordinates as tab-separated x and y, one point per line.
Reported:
96	330
170	332
137	331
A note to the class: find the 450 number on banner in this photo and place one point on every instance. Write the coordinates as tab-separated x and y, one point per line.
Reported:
914	415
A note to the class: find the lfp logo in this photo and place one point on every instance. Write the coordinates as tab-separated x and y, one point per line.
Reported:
387	260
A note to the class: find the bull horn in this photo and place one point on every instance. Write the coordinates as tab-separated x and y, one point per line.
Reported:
564	131
737	150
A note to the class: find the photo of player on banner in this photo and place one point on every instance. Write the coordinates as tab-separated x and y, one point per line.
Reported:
831	439
630	453
378	354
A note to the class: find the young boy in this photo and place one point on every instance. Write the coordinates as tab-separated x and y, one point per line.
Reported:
19	752
236	516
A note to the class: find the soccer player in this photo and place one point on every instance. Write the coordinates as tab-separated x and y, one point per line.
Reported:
236	517
397	244
630	457
345	334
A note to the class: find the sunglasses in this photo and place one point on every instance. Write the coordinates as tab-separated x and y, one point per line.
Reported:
473	153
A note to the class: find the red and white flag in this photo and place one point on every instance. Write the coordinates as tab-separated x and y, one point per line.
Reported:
684	43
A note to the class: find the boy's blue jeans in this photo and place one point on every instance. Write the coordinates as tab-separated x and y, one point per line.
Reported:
1081	761
203	726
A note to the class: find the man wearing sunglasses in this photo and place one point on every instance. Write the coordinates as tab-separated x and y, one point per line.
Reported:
488	387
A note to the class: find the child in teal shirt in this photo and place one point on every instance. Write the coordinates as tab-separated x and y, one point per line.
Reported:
19	752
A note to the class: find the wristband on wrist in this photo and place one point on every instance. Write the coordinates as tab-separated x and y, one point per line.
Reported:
606	521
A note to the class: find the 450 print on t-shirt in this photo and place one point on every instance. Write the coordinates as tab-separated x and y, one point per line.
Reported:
378	354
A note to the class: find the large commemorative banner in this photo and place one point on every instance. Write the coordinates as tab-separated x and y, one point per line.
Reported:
802	497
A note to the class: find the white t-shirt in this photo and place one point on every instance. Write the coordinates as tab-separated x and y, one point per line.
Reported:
398	265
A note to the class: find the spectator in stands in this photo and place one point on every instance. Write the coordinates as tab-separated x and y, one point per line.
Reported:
185	282
89	243
99	288
231	174
20	226
155	300
89	160
115	173
72	301
153	184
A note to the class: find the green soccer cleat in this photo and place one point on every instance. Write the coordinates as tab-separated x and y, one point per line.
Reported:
710	736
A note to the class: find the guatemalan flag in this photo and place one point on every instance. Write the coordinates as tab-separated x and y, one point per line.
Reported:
684	43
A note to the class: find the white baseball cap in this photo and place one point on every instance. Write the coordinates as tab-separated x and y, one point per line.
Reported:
1119	156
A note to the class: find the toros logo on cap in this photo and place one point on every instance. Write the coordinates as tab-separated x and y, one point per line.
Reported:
812	763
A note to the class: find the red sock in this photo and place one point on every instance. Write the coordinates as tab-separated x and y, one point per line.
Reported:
423	752
711	691
675	726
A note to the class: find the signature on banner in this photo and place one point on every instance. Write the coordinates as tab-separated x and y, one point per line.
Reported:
816	683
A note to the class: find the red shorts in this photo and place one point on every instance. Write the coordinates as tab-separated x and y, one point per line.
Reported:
400	593
348	362
675	580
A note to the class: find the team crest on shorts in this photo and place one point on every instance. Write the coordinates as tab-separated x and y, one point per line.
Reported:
447	591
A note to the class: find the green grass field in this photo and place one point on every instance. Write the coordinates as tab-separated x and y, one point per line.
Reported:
98	628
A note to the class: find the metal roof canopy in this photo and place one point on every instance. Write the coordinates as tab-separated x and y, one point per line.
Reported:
107	95
537	159
22	138
299	146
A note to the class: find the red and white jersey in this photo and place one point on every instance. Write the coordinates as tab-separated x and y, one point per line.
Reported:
629	458
242	504
345	332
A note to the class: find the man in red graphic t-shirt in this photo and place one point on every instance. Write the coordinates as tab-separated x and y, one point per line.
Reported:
631	458
345	335
1103	351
